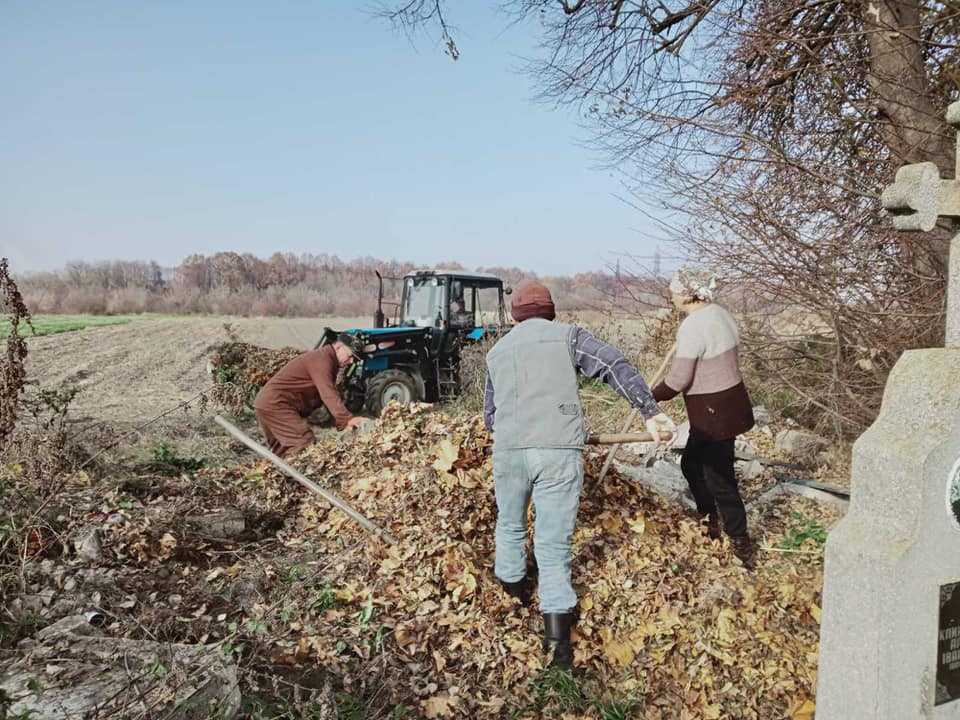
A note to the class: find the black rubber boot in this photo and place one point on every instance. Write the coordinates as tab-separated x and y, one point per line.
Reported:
521	590
556	638
710	521
713	525
744	549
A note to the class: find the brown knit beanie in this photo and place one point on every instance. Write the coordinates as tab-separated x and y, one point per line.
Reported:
531	299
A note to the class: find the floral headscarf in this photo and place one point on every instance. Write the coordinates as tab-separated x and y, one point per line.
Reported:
694	283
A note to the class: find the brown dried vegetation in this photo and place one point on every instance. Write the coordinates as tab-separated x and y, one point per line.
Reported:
13	375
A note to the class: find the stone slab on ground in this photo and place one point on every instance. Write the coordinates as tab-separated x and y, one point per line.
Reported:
784	488
800	443
88	545
749	469
69	675
222	525
664	478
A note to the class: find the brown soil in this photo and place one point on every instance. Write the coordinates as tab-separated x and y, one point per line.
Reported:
129	374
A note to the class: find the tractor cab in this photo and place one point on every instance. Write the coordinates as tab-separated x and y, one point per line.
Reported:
466	305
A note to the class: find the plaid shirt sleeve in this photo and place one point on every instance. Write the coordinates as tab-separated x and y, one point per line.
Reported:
489	409
596	359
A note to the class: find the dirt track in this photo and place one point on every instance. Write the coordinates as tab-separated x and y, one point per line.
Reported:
130	373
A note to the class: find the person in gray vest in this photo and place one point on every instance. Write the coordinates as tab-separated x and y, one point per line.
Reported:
532	406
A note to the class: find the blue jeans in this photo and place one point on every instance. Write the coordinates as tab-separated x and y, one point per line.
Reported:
553	478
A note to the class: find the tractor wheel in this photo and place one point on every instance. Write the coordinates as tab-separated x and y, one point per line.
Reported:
390	385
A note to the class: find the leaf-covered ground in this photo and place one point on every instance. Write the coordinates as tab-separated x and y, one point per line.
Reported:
672	626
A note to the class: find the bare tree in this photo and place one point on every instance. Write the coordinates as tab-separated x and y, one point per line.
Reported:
770	128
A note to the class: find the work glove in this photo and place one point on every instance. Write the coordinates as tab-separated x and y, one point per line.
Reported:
660	422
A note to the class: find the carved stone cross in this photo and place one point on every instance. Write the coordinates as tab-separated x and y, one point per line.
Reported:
917	199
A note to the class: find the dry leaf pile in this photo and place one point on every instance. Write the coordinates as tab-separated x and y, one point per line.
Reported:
245	562
242	559
239	370
670	622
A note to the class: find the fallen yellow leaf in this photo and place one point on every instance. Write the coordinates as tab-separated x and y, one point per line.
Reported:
619	653
467	480
815	611
438	706
726	626
447	454
805	711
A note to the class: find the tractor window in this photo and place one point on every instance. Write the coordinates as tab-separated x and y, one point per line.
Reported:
423	303
488	306
461	305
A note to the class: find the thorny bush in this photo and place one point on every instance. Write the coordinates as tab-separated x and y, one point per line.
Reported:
35	451
12	372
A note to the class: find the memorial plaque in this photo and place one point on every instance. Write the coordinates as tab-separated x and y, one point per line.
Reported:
948	645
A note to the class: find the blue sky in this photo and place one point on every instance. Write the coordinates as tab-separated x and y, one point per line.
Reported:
149	130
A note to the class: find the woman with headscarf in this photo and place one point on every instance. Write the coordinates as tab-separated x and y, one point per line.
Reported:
706	370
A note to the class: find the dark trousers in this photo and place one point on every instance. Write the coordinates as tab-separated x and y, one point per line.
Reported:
708	467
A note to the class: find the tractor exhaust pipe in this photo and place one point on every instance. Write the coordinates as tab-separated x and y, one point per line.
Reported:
379	319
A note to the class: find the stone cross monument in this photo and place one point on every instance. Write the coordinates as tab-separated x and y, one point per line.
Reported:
890	633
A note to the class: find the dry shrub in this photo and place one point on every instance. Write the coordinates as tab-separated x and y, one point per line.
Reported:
36	466
644	338
41	450
239	371
35	451
85	301
131	301
473	374
13	374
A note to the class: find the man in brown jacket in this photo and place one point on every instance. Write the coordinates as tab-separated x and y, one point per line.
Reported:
299	388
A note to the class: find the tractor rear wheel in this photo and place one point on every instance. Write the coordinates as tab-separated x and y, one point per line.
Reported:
391	385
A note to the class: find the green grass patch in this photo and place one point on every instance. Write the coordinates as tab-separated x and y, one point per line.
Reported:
54	324
556	686
167	461
350	707
804	529
616	709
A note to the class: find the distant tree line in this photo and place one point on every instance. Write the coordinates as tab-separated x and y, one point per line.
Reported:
285	284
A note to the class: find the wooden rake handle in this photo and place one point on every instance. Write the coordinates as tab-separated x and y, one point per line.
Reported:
622	438
309	484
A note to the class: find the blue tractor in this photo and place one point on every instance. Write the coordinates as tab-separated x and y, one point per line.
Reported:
415	355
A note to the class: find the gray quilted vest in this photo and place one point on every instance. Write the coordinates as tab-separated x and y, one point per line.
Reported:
535	388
